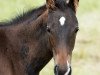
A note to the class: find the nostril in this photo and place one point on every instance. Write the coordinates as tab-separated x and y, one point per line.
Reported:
59	71
56	69
69	70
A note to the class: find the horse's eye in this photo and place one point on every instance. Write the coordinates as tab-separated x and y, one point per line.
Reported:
76	30
48	29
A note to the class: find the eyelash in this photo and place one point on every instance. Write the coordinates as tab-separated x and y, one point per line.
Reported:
76	30
48	29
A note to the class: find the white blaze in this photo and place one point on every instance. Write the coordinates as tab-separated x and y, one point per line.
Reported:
62	20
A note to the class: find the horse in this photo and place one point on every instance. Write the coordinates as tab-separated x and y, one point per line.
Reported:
28	42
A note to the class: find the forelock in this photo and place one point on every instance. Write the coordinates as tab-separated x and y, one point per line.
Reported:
61	4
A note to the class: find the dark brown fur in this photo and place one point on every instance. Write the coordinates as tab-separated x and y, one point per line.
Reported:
25	45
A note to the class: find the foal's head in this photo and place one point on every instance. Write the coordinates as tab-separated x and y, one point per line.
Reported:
62	26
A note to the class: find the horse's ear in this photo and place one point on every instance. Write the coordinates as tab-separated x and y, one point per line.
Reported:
73	4
50	4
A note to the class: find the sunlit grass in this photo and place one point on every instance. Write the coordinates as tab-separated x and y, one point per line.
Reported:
11	8
86	57
87	6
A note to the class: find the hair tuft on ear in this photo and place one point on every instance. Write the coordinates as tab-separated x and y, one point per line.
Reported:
76	2
50	4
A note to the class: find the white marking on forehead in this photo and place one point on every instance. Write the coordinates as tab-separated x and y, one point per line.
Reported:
67	1
62	20
68	65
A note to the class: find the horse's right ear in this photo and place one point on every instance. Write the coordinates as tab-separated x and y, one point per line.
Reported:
50	4
73	4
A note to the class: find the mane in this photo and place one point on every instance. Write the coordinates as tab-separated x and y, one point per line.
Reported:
29	15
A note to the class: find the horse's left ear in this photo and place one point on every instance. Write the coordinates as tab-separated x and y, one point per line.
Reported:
50	4
73	4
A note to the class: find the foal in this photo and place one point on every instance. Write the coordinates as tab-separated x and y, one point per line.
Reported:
28	43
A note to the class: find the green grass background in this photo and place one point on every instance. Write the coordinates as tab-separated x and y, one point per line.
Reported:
86	54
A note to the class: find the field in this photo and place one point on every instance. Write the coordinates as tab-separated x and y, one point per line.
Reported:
86	54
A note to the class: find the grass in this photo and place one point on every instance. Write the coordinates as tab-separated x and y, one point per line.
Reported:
86	57
10	8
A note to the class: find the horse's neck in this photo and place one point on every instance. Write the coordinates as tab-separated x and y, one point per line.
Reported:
42	19
39	25
42	51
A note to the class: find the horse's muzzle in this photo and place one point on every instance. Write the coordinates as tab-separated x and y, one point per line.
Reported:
59	71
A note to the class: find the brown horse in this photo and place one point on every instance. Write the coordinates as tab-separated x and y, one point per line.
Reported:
29	42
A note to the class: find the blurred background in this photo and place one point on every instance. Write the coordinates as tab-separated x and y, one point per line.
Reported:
86	54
